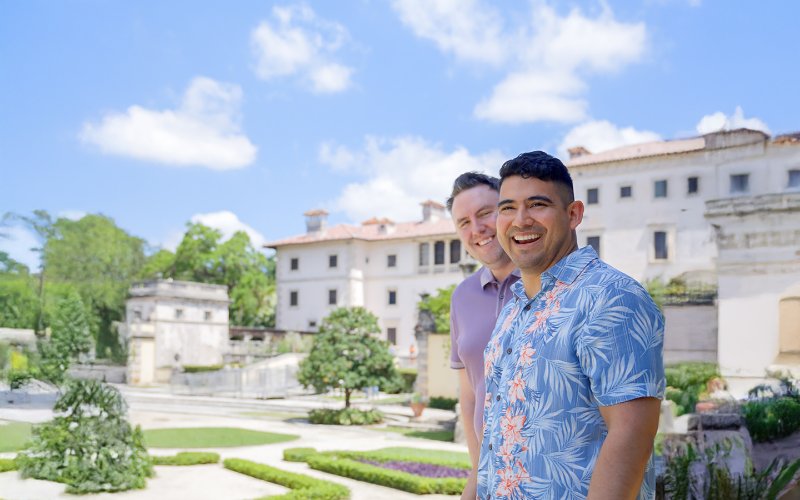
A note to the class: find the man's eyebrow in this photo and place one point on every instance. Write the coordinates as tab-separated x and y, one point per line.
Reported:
504	202
539	198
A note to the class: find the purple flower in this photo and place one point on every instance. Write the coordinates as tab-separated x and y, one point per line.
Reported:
419	469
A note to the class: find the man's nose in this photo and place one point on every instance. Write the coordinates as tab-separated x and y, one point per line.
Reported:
522	218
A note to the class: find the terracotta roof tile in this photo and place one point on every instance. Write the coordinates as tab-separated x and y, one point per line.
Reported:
371	232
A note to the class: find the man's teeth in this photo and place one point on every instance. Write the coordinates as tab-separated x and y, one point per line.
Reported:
525	238
485	242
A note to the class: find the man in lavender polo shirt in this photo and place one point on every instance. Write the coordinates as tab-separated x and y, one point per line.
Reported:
477	301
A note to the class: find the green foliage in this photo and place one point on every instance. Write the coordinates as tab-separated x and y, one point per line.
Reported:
344	416
89	445
439	306
16	379
686	382
248	273
211	437
14	436
202	368
187	458
676	292
70	339
347	354
8	464
771	419
297	454
404	382
295	342
344	464
19	301
683	480
303	487
455	459
443	403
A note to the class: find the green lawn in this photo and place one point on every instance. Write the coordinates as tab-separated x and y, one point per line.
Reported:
446	436
14	436
211	437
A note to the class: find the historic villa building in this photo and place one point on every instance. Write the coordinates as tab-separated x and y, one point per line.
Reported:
381	265
722	209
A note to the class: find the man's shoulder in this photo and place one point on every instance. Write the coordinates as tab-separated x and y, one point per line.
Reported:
470	284
604	280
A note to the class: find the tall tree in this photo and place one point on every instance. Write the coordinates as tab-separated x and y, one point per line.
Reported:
20	306
439	306
347	354
100	261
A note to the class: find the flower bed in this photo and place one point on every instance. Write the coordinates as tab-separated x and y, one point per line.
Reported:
418	468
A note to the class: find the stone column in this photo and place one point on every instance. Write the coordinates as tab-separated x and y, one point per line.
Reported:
425	326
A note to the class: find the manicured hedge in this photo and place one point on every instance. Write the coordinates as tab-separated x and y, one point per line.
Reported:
298	454
345	416
202	368
303	487
187	458
443	403
7	464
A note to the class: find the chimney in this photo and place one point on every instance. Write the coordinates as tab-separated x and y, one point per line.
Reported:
432	211
577	152
315	220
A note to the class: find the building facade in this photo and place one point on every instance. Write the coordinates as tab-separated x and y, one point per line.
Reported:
719	209
170	324
381	265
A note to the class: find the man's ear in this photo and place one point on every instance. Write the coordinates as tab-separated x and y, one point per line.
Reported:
575	213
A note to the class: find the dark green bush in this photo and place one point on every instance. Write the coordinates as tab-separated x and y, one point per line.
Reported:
345	416
8	464
302	486
298	454
771	419
386	455
686	382
386	477
443	403
202	368
187	458
409	378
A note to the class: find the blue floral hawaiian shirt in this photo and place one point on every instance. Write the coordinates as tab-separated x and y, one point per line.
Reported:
591	337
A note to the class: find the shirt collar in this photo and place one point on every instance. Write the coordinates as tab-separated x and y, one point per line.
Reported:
565	270
487	276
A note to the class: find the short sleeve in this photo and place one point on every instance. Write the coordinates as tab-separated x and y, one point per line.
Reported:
455	360
620	345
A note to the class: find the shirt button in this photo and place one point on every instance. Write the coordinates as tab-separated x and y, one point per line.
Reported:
497	398
528	307
508	351
490	446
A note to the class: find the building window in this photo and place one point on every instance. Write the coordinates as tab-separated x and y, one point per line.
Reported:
137	315
424	254
594	242
438	253
391	260
660	250
333	261
294	264
794	179
331	297
391	335
740	183
625	191
392	298
455	251
293	299
312	323
660	189
178	313
207	315
692	185
592	196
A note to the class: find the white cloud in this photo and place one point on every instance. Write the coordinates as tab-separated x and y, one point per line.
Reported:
720	121
465	28
72	214
601	135
298	42
228	223
203	131
547	56
19	244
399	173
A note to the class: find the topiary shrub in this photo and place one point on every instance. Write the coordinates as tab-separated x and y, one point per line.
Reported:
302	486
187	458
89	445
345	416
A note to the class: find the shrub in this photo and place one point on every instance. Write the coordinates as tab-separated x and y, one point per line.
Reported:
686	382
201	368
443	403
302	486
187	458
345	416
8	464
297	454
89	445
771	419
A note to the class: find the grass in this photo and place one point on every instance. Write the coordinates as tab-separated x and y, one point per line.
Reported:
14	436
278	415
443	435
211	437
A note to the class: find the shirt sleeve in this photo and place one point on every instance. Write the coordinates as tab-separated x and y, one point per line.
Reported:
620	345
455	361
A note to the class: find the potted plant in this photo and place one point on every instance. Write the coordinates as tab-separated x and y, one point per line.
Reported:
418	403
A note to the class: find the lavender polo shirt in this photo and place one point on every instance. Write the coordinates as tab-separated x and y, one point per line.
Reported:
474	307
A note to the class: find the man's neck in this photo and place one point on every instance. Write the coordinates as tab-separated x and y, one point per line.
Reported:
532	283
501	272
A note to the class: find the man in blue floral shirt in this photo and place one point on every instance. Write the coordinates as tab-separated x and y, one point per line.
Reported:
574	369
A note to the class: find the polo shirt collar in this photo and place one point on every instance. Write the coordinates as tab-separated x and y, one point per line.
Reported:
487	276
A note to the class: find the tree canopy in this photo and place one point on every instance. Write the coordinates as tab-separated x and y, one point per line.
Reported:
347	354
439	306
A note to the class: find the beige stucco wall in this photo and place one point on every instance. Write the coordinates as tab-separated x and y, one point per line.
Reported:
690	333
442	380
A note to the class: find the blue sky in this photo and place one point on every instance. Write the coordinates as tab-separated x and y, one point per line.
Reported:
246	114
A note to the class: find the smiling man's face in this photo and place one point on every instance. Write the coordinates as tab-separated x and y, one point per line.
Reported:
536	223
474	214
